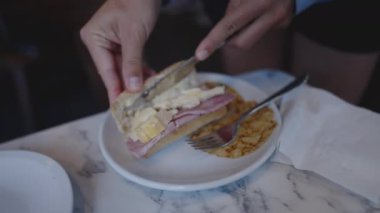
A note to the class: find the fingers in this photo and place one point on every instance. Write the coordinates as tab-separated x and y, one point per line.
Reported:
230	24
277	16
232	5
106	66
250	35
244	23
132	54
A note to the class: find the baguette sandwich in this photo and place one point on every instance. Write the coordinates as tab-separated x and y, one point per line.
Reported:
171	114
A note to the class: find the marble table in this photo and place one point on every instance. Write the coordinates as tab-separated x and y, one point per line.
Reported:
272	188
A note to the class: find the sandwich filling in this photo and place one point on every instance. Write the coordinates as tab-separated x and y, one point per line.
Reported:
184	102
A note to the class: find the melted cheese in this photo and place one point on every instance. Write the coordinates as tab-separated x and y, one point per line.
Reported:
185	99
150	121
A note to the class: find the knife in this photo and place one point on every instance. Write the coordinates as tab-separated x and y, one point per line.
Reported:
164	83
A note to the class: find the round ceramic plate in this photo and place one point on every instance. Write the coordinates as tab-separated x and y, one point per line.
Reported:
179	167
33	183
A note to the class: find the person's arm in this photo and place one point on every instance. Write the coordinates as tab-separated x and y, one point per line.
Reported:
115	37
246	21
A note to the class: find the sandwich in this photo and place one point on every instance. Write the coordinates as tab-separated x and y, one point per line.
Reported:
182	108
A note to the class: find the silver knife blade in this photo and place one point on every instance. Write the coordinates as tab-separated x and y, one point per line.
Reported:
164	83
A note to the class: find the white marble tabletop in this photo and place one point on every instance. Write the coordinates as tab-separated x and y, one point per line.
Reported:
97	188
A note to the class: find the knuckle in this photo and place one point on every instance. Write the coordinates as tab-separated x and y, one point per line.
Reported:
140	34
132	66
228	28
133	62
84	33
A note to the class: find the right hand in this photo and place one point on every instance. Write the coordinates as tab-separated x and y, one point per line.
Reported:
244	23
115	37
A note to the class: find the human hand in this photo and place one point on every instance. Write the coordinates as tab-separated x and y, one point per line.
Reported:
115	37
244	23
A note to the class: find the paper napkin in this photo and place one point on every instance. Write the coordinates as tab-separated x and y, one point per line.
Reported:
337	140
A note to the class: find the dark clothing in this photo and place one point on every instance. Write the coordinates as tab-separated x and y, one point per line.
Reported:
346	25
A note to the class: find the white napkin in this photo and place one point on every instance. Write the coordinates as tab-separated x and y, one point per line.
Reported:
339	141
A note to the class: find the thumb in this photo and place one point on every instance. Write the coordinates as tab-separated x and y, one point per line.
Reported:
132	63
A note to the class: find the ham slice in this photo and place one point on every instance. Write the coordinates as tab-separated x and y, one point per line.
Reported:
207	106
139	149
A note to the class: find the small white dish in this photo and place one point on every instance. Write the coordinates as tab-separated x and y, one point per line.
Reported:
179	167
33	183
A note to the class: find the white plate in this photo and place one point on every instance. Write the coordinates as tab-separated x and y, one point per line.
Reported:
179	167
33	183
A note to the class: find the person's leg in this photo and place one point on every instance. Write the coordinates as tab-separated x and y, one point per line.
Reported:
338	44
343	73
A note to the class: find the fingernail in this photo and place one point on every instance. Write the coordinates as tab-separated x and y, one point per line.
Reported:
134	83
202	55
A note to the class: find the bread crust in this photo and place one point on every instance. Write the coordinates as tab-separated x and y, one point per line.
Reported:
186	129
117	107
118	112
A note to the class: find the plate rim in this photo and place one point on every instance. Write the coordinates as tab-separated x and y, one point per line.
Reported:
192	186
32	155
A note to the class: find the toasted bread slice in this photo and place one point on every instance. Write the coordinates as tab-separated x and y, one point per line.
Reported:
186	129
126	98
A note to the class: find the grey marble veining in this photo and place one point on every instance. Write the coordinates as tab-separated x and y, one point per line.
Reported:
272	188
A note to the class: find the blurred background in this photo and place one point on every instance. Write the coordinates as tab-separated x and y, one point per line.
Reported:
47	77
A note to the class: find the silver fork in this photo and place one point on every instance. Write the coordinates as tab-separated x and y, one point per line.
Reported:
227	134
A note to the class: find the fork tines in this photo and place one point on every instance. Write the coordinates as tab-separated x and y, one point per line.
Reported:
207	142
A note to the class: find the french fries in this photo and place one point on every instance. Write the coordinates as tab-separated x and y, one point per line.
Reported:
253	131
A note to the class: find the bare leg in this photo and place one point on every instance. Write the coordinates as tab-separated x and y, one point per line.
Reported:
345	74
267	53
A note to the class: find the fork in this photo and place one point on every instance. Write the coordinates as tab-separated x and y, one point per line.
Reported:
227	134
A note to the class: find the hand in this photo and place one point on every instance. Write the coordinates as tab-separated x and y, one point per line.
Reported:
115	37
245	21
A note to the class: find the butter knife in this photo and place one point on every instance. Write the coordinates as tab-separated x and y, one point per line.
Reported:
164	83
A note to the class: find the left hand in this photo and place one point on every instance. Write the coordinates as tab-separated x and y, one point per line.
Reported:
246	21
115	37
